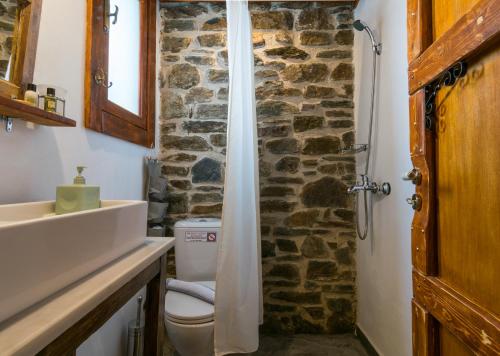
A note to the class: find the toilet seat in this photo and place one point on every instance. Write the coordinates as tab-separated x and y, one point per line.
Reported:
183	309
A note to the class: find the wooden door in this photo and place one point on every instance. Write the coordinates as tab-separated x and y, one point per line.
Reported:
454	80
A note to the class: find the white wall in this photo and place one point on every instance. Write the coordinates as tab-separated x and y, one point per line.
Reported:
384	259
34	162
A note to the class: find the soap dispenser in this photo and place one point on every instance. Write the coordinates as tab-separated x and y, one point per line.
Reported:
78	196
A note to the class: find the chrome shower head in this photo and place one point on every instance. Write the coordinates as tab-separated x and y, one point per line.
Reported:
361	26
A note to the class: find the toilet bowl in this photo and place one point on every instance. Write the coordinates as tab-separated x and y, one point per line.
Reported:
189	323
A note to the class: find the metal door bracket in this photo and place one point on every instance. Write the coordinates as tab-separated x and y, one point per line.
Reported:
9	125
448	78
415	201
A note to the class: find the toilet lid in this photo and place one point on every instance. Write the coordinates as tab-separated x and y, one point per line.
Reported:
184	309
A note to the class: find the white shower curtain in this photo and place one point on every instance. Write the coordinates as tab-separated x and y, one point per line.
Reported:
238	298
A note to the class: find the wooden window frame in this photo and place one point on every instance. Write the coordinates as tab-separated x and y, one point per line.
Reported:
101	114
24	49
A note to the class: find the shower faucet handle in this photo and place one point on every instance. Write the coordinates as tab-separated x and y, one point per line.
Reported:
367	185
414	175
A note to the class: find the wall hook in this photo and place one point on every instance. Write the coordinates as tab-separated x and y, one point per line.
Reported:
101	79
108	15
114	15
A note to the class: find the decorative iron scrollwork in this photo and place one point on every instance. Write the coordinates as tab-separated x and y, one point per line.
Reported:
448	78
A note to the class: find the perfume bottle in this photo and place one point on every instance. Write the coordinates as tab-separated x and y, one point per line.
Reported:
50	100
30	95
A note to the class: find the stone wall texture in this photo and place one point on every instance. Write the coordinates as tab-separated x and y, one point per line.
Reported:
304	88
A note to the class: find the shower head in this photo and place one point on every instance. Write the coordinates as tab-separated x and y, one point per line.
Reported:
361	26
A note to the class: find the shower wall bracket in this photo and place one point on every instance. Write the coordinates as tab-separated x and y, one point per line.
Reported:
449	78
355	148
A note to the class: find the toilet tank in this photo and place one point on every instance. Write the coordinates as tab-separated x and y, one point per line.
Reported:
196	243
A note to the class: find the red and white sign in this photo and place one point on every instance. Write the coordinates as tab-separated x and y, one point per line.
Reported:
200	236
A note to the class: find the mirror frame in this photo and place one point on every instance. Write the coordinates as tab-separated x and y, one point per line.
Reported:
101	114
24	49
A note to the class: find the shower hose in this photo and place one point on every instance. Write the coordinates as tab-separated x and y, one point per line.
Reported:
366	203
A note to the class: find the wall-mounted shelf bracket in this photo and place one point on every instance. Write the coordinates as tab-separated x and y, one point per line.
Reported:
449	78
8	123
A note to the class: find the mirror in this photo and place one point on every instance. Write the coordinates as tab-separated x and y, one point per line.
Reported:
8	28
19	25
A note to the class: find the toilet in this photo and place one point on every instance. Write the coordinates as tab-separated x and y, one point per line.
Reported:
190	321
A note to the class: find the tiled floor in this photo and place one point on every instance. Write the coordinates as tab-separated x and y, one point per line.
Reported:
310	345
307	345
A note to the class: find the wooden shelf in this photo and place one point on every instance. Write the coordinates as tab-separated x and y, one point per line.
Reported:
18	110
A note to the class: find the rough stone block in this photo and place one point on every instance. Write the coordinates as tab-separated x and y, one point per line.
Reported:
306	123
321	270
287	53
313	72
174	44
315	38
272	20
321	145
288	164
207	170
283	146
314	247
185	143
286	245
325	192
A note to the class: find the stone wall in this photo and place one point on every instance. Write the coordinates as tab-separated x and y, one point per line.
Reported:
304	87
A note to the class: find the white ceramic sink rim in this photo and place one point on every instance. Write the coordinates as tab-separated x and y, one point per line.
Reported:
41	253
105	205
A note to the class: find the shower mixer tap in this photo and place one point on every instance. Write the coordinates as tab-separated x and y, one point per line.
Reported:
367	185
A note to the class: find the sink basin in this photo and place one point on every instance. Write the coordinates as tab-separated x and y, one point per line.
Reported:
41	253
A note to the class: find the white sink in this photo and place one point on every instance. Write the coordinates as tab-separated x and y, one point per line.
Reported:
41	253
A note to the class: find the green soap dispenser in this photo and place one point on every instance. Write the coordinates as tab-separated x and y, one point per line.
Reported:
78	196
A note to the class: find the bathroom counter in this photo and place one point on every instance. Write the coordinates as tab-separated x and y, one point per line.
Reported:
64	320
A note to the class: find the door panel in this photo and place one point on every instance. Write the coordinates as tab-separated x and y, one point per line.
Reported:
468	182
456	229
446	12
449	345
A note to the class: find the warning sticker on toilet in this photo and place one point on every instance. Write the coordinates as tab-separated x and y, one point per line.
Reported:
200	236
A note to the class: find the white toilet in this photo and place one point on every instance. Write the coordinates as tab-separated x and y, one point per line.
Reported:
189	321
